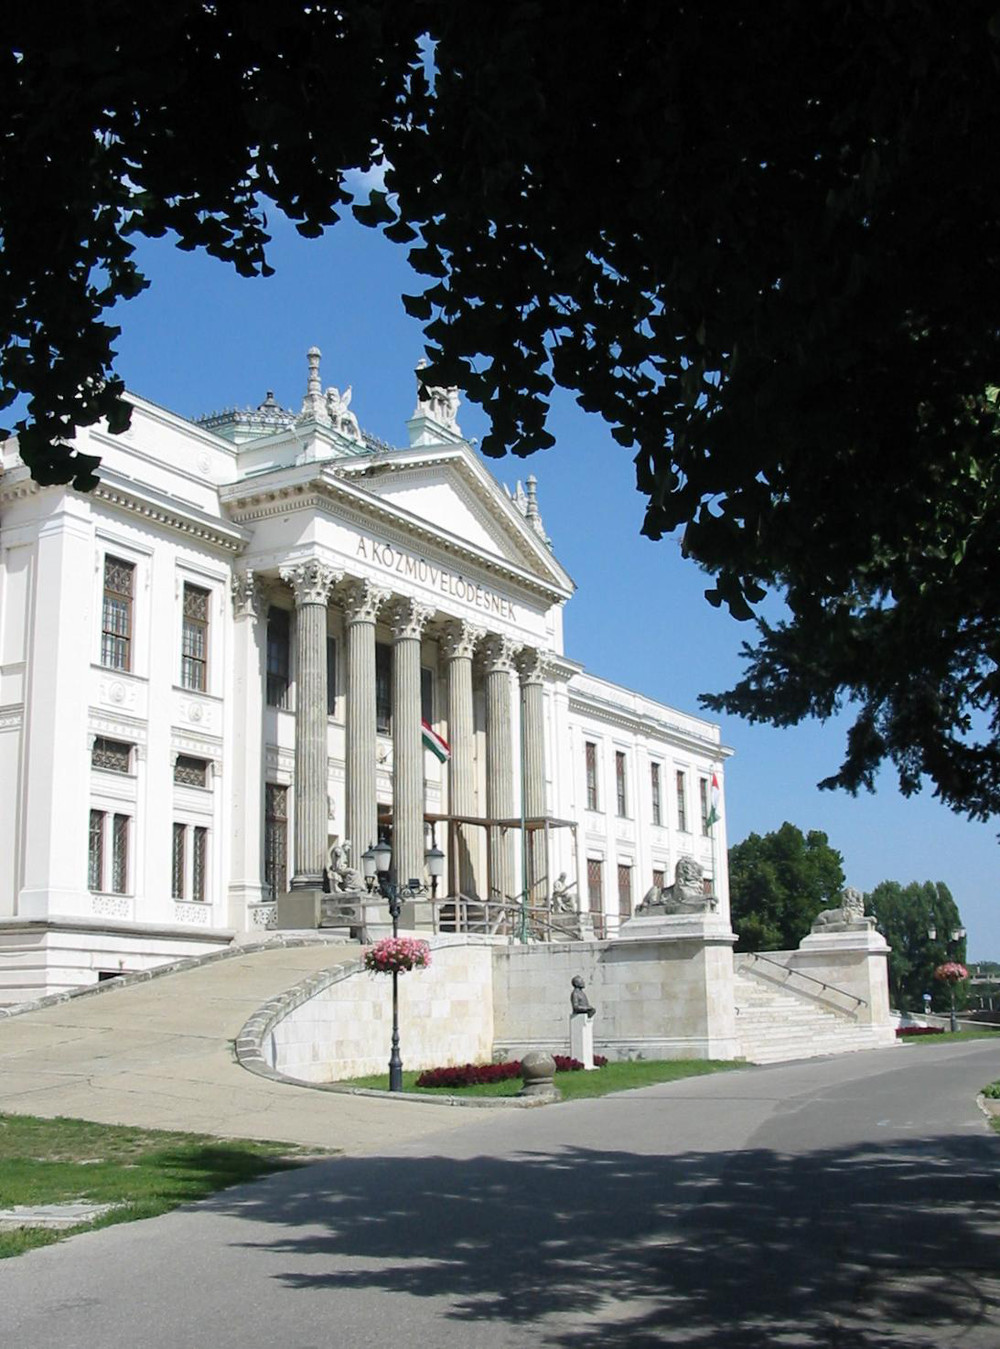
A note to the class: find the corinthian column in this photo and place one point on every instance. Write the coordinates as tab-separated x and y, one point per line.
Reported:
458	642
531	668
311	582
408	619
361	601
498	658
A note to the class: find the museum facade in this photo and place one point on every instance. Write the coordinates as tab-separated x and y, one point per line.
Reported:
266	640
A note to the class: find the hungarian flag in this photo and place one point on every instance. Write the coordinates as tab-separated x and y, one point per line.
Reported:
713	810
437	744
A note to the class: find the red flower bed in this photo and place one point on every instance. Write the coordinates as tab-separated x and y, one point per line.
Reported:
902	1031
472	1074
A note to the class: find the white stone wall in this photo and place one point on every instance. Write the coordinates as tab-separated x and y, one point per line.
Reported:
445	1015
657	999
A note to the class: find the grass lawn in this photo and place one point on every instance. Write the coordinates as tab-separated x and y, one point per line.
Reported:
146	1171
574	1086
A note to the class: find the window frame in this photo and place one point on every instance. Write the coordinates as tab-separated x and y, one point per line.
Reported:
117	635
278	658
195	637
621	784
591	776
682	819
656	794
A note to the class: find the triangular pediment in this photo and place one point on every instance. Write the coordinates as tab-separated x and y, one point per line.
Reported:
451	491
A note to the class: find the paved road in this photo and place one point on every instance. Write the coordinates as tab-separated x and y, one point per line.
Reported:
847	1202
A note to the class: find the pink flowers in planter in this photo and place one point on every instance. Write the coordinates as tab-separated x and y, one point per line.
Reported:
396	955
951	972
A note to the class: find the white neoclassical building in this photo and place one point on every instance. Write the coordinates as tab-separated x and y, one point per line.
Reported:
266	633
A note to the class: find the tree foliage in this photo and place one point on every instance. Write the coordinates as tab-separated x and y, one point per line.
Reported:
906	915
762	242
778	883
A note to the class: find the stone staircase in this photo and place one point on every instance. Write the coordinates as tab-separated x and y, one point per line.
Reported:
775	1024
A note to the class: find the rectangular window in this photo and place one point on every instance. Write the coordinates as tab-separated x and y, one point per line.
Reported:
595	893
113	756
95	853
178	862
119	855
703	801
427	696
682	814
194	639
590	757
658	876
116	616
191	772
621	786
624	890
331	676
198	861
279	647
383	688
275	839
654	784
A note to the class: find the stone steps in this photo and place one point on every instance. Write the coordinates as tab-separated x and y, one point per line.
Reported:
774	1025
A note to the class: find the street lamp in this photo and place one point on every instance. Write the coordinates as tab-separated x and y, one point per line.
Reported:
376	864
956	935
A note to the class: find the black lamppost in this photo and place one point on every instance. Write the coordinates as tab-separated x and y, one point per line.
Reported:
377	862
957	935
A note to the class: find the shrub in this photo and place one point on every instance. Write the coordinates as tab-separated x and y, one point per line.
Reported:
992	1091
474	1074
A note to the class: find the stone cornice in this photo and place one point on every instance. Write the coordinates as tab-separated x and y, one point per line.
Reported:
305	489
646	723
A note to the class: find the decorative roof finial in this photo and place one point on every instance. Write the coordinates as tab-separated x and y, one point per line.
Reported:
531	506
314	404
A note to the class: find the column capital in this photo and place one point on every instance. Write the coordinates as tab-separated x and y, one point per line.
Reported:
249	594
311	581
408	618
532	665
361	599
459	638
498	653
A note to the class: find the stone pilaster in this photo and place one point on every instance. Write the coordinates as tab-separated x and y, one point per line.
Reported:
361	601
498	661
311	583
458	642
246	884
531	669
408	619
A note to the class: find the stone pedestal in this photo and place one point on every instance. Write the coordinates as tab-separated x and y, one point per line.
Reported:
581	1039
299	909
854	959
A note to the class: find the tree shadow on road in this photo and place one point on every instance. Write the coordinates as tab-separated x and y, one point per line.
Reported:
867	1247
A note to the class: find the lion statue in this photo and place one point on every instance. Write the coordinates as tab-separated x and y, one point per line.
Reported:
850	915
686	895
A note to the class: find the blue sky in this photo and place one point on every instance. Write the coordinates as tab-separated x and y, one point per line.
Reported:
201	339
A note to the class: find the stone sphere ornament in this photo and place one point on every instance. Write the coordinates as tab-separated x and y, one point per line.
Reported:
538	1070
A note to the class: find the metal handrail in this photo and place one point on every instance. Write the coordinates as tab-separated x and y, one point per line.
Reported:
489	915
789	973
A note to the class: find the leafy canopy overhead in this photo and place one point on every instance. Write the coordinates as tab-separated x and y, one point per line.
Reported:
762	242
778	883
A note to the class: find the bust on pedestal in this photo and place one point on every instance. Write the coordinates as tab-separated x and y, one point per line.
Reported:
581	1025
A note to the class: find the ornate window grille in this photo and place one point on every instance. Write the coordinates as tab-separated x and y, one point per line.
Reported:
178	860
198	860
95	851
119	855
191	772
116	616
275	839
194	639
114	756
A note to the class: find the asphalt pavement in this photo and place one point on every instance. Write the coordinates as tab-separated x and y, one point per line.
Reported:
849	1202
